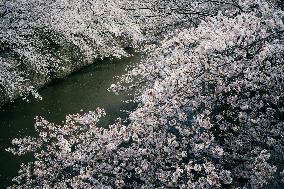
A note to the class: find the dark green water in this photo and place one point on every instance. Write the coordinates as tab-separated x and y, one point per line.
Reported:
81	92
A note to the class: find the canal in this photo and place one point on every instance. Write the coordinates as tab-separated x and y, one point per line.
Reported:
82	91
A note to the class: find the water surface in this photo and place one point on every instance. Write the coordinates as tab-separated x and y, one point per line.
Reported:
80	92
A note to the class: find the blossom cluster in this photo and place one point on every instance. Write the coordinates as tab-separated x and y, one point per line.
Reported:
39	39
210	113
42	39
226	77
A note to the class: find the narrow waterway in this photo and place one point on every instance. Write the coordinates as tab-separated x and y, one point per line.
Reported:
80	92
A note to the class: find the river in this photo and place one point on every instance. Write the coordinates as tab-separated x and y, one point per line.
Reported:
80	92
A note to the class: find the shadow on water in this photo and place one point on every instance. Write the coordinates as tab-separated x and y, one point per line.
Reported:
82	91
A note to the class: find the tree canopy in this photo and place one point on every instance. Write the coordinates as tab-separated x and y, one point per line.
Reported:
209	93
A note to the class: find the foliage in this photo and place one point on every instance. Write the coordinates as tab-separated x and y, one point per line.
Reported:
33	32
210	113
36	34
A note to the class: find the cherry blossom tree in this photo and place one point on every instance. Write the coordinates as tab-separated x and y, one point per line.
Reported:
36	37
43	38
210	112
220	80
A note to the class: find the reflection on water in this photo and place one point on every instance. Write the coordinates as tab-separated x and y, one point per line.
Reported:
80	92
